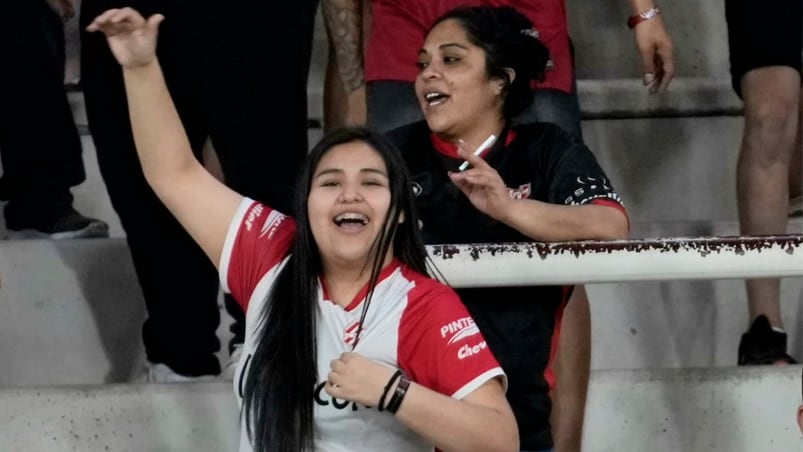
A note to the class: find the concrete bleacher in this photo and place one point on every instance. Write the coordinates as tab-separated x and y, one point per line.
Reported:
70	312
720	409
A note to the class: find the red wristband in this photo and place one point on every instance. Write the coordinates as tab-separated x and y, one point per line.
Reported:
632	21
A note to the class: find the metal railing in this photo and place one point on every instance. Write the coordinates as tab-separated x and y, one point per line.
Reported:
665	259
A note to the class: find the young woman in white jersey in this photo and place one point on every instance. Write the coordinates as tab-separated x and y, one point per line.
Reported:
348	345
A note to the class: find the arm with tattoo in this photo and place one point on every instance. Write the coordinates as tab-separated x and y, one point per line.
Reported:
344	26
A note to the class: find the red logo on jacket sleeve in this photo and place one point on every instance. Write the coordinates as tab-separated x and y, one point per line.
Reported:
523	192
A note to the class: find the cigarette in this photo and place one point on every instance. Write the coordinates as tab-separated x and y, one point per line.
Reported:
485	144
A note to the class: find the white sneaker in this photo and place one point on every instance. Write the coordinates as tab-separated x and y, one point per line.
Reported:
162	373
231	365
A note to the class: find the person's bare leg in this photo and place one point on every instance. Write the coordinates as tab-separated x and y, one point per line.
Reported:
771	109
796	164
572	370
795	170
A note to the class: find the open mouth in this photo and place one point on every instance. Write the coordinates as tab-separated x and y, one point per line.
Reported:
434	98
351	220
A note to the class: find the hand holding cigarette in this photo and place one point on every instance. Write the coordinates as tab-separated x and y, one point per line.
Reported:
478	152
482	184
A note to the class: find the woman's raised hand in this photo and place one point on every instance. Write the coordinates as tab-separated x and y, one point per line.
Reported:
483	186
132	39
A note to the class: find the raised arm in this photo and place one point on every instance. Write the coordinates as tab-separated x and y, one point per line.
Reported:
201	204
344	95
654	46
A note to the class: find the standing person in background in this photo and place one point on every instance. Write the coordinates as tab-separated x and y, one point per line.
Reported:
39	143
765	61
377	89
219	60
533	182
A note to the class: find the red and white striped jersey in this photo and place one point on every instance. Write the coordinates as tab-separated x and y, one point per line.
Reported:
414	323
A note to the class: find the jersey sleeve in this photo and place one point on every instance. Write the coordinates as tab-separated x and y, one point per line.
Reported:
258	239
441	347
575	176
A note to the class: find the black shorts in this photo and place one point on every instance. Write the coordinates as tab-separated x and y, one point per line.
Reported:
767	33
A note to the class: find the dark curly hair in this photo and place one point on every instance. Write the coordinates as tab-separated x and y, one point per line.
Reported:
510	42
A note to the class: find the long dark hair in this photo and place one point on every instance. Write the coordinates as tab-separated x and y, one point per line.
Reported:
278	395
509	41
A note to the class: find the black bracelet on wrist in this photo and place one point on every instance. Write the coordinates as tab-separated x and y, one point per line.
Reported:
398	395
397	374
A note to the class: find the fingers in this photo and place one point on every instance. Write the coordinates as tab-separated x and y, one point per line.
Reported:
649	78
667	67
116	21
155	20
332	378
335	377
103	18
339	364
651	67
655	49
474	177
473	159
665	72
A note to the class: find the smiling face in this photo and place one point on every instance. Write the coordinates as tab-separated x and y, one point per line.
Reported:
457	97
347	205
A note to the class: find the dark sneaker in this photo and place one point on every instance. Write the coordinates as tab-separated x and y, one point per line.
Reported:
763	345
67	224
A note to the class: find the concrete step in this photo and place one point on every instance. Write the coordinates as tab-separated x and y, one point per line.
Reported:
689	410
71	311
694	410
199	417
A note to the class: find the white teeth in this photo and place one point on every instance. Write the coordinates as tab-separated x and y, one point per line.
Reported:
352	217
435	98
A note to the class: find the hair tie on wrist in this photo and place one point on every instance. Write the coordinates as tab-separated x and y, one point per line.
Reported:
397	374
632	21
398	395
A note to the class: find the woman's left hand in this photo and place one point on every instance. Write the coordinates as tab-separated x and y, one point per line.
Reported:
358	379
483	186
